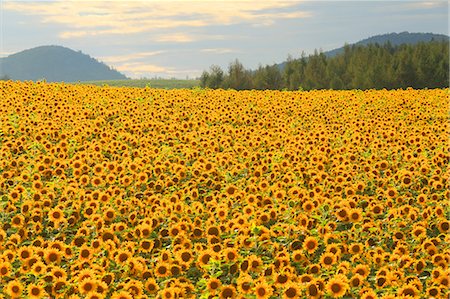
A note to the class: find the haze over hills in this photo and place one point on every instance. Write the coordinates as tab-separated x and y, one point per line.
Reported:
54	64
57	63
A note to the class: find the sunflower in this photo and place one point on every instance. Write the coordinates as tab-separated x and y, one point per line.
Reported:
135	288
58	272
356	281
5	269
391	192
245	283
310	244
59	285
370	294
204	257
337	286
444	226
355	215
355	248
122	256
96	181
408	290
291	290
151	286
343	214
313	290
308	206
18	221
231	190
185	257
36	291
444	280
314	269
263	290
297	256
102	287
175	270
281	279
255	263
434	292
14	289
95	295
162	270
361	269
52	255
230	254
168	293
121	295
146	245
228	292
85	253
87	286
213	285
327	260
56	216
38	268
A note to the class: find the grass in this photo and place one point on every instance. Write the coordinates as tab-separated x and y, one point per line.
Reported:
154	83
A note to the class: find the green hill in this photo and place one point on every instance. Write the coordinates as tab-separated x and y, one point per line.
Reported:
395	39
54	64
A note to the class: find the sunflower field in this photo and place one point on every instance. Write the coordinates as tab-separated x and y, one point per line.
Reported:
144	193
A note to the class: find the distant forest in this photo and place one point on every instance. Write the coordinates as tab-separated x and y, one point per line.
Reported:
423	65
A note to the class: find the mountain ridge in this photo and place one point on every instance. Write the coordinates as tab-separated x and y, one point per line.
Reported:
54	64
394	38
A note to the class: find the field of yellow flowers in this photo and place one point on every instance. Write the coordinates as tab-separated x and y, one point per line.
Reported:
141	193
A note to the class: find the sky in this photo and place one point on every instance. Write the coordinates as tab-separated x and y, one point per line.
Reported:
180	39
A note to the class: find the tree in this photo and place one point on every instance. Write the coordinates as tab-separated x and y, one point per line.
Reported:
315	72
268	77
238	77
216	77
361	67
204	78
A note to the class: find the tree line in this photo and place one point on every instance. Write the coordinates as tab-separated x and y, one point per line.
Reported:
423	65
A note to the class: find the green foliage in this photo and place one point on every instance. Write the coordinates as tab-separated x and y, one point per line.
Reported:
421	65
212	79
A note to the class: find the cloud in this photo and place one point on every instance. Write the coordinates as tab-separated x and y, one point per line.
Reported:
92	18
5	53
141	68
185	37
219	50
175	37
138	70
129	57
429	4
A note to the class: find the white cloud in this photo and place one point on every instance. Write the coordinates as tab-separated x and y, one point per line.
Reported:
129	57
93	18
219	50
185	37
138	70
175	38
141	68
5	53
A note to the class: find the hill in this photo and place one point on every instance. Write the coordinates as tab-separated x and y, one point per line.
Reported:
54	64
395	39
